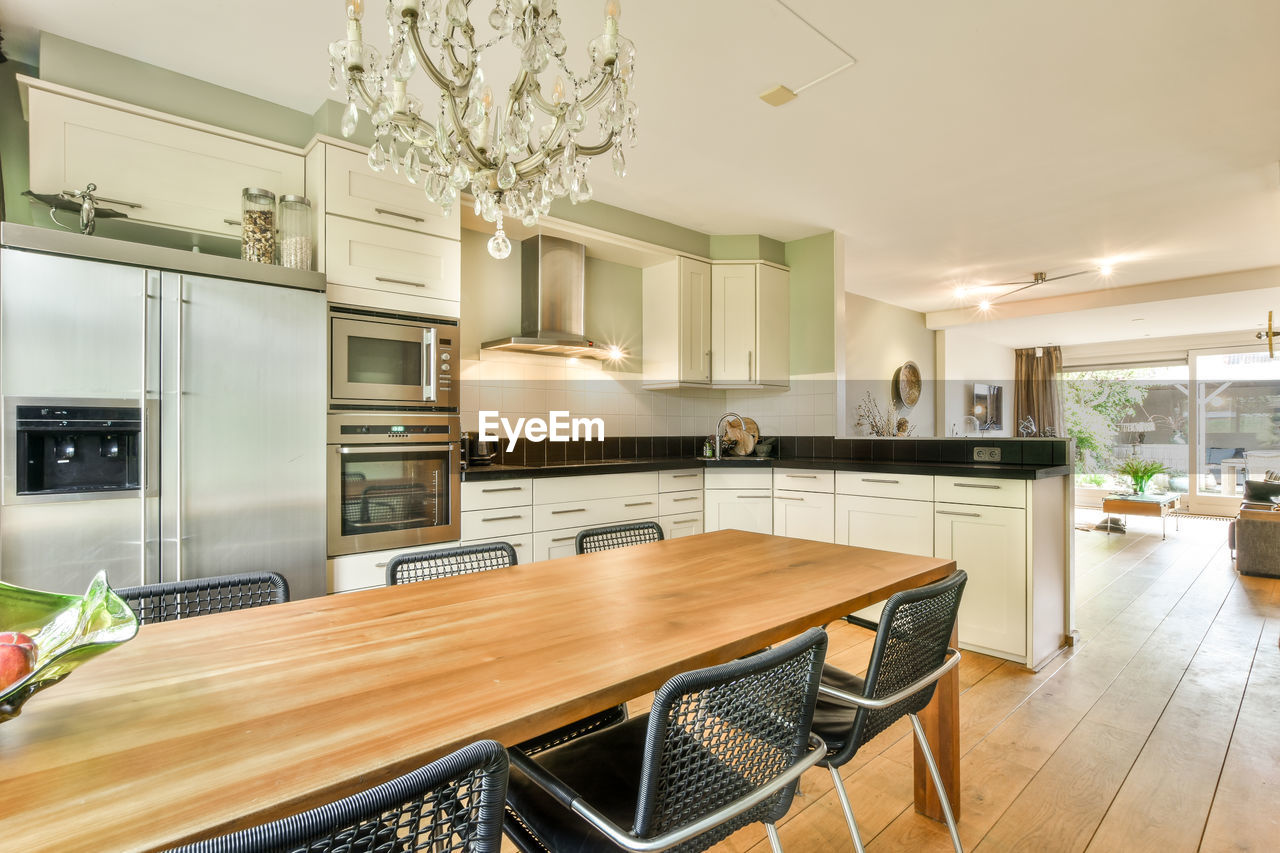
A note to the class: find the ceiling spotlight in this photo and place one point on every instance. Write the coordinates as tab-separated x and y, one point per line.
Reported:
984	305
1105	269
615	353
961	291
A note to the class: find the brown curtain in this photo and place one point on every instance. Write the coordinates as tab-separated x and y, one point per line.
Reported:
1035	390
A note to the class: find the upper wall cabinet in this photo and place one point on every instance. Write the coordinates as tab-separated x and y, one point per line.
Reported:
721	324
379	242
170	171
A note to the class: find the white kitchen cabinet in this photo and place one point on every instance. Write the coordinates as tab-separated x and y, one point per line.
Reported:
355	191
804	515
685	524
376	265
723	324
677	323
750	325
172	171
353	572
491	494
679	503
990	544
886	524
522	544
738	509
804	480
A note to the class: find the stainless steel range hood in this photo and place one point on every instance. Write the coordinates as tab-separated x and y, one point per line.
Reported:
552	285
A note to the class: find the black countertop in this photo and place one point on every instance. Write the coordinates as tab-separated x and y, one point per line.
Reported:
662	463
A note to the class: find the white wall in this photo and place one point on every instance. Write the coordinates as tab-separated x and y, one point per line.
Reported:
878	339
964	359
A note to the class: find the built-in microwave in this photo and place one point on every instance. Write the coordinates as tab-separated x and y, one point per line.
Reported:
382	360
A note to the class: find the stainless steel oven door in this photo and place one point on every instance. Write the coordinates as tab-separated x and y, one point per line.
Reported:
375	362
392	496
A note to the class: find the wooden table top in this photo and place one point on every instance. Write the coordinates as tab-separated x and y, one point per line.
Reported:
202	726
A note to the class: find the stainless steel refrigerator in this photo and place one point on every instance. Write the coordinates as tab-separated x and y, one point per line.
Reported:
164	415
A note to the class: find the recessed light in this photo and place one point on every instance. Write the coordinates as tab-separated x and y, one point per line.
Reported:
984	305
1106	269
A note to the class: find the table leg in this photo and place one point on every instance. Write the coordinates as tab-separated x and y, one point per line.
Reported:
941	722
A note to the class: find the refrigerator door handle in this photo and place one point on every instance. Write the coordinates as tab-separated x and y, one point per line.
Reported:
148	445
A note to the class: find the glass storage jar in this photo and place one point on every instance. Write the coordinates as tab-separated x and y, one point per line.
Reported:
295	232
258	225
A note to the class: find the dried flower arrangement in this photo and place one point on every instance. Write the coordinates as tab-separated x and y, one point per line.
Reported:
883	424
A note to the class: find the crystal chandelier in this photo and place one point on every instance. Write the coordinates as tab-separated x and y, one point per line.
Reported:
511	164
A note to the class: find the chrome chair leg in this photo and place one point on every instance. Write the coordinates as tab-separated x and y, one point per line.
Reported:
937	781
773	837
848	810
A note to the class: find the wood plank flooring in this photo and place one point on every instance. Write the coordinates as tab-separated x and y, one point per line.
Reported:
1156	732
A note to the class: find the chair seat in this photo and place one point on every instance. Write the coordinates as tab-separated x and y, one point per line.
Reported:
832	721
611	786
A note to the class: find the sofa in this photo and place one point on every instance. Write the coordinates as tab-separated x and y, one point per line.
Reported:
1254	537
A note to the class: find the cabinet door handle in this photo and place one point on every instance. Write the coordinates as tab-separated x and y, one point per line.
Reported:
640	503
678	476
749	355
681	500
502	518
950	512
105	200
399	281
873	480
565	538
802	476
504	489
975	486
757	497
786	498
385	212
516	544
565	511
381	565
685	521
230	221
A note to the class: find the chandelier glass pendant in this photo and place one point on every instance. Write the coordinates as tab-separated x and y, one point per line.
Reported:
512	163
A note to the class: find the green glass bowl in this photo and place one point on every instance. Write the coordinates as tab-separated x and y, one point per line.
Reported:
67	629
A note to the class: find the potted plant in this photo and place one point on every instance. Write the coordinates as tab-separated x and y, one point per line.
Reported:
1140	471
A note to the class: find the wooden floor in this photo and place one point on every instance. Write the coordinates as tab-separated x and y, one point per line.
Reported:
1159	731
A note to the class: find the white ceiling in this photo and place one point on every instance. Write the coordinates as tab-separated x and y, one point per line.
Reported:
974	142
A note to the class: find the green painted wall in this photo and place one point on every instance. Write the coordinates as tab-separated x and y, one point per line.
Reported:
13	144
114	76
747	247
616	220
614	309
813	277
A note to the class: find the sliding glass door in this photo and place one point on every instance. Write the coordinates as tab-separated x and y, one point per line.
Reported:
1238	428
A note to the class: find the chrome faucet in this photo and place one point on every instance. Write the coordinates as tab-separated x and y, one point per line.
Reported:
720	428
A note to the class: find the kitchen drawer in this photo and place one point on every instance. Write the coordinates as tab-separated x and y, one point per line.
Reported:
739	478
804	480
686	524
595	512
390	260
180	176
497	523
368	570
679	502
679	480
353	189
910	487
523	545
591	487
981	491
488	494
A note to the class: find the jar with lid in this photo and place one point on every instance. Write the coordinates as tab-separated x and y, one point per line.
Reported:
258	225
295	242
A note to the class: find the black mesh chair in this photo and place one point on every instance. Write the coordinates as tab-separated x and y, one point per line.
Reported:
910	654
453	804
723	747
469	559
163	602
617	536
448	562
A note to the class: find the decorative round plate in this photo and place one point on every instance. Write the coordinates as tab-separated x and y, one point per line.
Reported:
906	384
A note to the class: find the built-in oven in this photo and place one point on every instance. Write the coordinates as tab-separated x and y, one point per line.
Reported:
381	360
393	481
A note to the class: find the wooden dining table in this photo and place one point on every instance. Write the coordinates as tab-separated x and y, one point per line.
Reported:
206	725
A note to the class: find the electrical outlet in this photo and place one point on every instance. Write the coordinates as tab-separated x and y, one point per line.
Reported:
986	454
